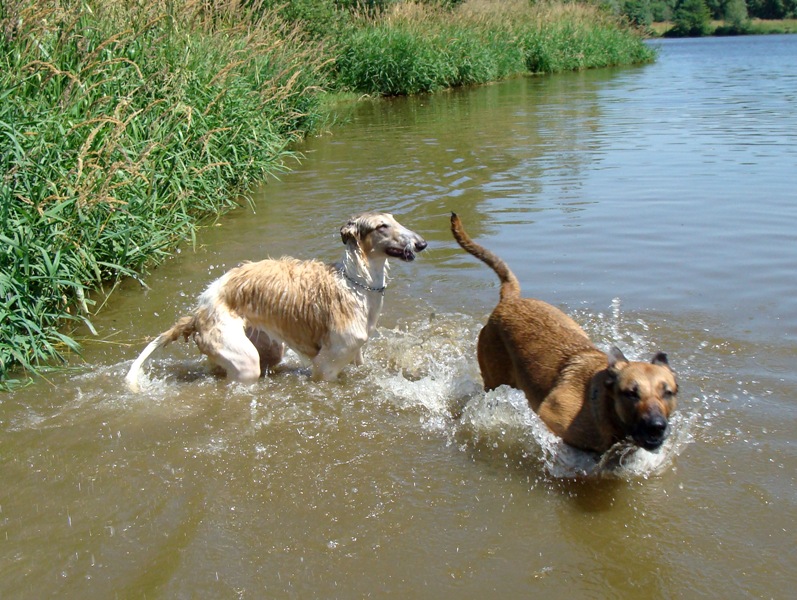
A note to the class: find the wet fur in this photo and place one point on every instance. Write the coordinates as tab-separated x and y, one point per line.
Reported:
590	399
244	319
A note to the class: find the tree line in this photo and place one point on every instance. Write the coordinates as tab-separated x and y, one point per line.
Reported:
689	14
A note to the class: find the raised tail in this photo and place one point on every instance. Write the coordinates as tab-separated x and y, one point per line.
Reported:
183	328
510	286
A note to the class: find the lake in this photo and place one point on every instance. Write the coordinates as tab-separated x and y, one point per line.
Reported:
655	204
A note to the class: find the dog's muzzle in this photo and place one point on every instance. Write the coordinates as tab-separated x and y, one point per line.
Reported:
651	432
408	252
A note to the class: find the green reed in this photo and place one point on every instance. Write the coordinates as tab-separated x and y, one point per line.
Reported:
120	128
418	48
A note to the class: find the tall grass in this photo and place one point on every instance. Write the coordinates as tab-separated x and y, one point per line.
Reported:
415	48
121	124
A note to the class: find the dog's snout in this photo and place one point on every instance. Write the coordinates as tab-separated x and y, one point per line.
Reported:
420	244
652	431
657	424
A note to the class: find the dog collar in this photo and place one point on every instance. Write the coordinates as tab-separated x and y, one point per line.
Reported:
367	288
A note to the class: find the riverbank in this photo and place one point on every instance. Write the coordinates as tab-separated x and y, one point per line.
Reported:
125	127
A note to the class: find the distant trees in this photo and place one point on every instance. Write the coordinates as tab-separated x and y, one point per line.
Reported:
639	12
735	12
691	18
772	9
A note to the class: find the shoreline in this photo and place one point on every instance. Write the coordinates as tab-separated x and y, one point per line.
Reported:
723	29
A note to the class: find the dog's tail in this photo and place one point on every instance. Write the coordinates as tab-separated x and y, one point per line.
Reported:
183	328
510	286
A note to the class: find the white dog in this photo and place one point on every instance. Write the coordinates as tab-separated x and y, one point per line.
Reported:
326	313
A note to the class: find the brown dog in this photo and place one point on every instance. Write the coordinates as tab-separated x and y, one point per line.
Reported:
587	398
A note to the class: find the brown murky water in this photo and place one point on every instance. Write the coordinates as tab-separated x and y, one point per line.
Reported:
657	205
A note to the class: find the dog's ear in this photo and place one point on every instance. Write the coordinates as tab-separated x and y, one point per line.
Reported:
616	360
660	359
350	231
616	357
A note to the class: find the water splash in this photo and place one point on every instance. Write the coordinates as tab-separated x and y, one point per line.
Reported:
427	368
430	367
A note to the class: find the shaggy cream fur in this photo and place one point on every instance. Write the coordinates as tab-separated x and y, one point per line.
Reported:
244	319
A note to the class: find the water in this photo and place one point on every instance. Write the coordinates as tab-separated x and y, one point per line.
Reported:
654	204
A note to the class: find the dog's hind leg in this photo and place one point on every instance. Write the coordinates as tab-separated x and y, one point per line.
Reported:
229	347
495	363
270	351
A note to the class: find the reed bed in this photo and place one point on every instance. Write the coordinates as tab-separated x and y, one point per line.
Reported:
417	48
125	124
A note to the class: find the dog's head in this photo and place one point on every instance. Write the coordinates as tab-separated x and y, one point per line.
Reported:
644	396
379	234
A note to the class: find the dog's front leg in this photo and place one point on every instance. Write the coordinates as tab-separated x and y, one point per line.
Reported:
358	359
327	367
338	351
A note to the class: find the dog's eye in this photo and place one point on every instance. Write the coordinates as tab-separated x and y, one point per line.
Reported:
383	226
668	393
632	394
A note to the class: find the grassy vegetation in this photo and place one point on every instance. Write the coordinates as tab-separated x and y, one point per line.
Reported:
417	48
124	124
764	26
